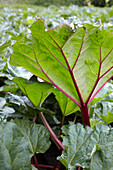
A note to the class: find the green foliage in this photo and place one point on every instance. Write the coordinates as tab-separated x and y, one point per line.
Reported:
56	57
86	147
102	106
20	139
18	20
37	92
46	2
3	48
107	118
67	106
3	52
18	143
100	3
95	122
85	59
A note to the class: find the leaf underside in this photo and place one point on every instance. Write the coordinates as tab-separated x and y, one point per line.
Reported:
77	63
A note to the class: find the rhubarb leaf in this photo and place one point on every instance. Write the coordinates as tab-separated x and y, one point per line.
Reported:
77	63
19	141
22	83
82	145
67	106
37	92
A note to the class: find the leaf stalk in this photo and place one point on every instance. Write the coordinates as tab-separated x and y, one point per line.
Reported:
85	115
36	162
54	137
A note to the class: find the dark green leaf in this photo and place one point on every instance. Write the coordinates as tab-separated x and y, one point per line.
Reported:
18	143
84	144
21	105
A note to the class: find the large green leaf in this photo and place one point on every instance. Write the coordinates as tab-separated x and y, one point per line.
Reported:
18	143
77	63
37	92
84	144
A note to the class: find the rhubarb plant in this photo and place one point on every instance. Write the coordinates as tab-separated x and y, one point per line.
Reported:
77	64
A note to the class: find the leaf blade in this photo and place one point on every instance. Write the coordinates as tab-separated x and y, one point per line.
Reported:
21	144
82	56
83	145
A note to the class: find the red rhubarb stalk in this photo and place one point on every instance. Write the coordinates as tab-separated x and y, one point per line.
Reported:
54	137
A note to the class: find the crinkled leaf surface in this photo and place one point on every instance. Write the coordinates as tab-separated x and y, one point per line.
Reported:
77	63
107	106
102	106
2	102
20	107
67	106
6	111
19	141
104	109
84	144
3	52
2	64
37	92
18	72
